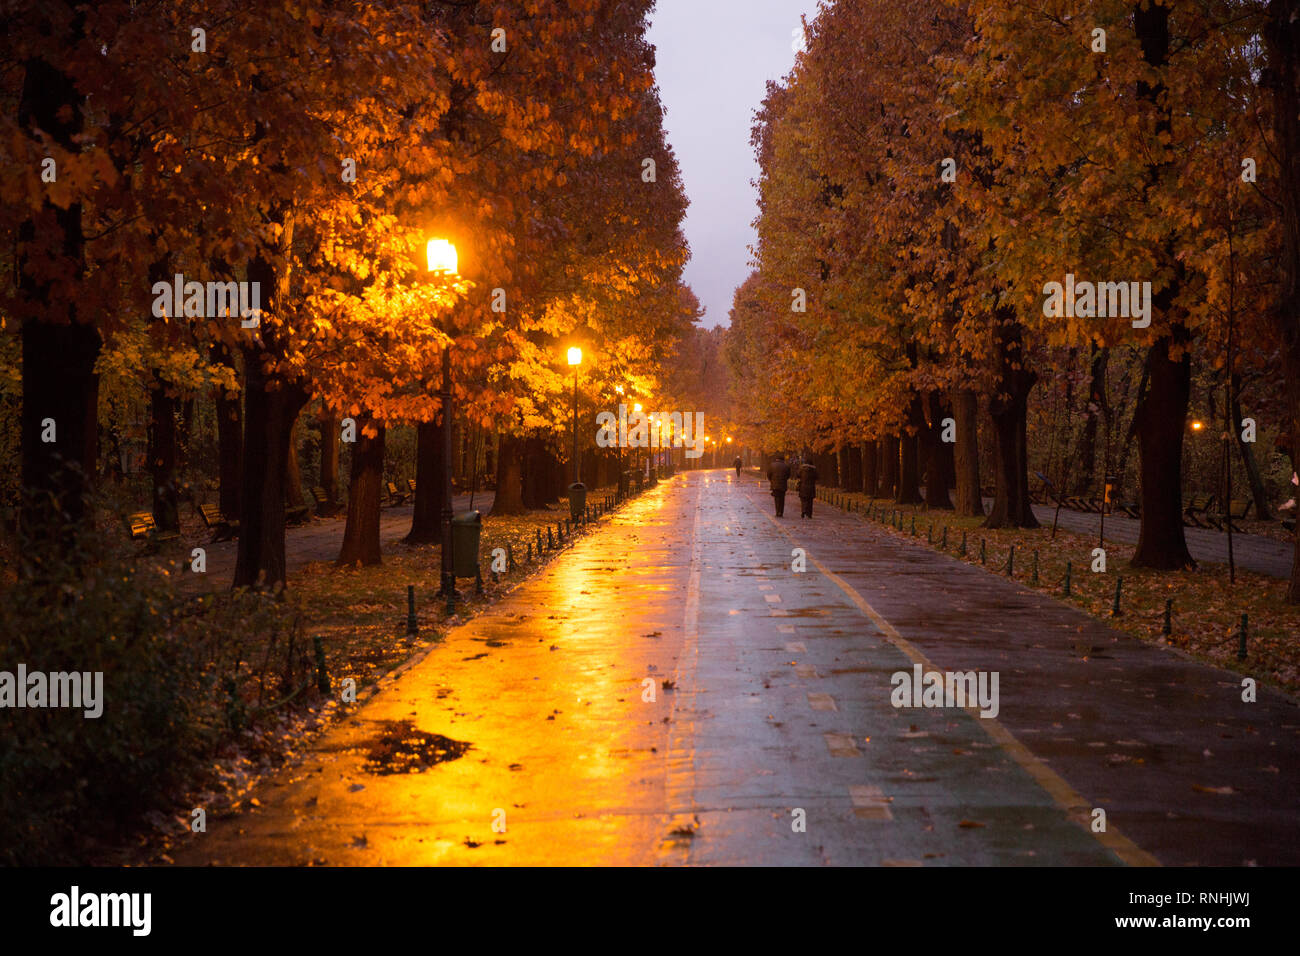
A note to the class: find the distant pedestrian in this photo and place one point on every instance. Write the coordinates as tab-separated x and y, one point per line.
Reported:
807	488
738	463
778	478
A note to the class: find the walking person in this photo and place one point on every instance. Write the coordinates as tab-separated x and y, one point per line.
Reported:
778	478
807	488
738	463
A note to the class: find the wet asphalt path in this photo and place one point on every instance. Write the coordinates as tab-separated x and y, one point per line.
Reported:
771	737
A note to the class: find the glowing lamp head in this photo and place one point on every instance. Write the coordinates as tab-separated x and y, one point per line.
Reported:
636	407
728	439
442	256
575	355
1197	426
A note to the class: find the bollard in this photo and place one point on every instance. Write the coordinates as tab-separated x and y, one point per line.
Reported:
1011	562
550	542
1114	607
944	543
1034	578
322	676
451	600
539	543
1241	639
983	553
929	533
913	526
963	543
1168	629
1067	578
412	627
510	557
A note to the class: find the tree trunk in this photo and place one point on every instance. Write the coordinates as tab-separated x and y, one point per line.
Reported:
1009	410
162	457
947	459
1282	42
533	472
1247	450
509	497
870	469
272	408
361	534
889	452
293	496
329	461
1162	410
230	438
426	522
828	469
909	475
936	474
851	466
59	347
966	455
1161	418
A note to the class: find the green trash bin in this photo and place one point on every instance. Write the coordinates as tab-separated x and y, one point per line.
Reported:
577	500
466	528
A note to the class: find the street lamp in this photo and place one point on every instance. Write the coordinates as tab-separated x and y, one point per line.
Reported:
442	259
636	455
577	490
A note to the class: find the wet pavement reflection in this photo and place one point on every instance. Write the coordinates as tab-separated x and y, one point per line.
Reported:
671	690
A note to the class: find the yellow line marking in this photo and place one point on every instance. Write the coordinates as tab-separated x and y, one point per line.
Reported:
1065	796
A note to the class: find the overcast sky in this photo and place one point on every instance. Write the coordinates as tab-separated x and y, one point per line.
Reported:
713	61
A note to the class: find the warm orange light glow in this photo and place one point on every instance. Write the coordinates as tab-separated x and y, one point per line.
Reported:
575	355
619	389
636	407
442	256
1197	426
728	439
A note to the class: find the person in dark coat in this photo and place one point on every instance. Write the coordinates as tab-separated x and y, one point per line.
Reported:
738	463
807	488
778	478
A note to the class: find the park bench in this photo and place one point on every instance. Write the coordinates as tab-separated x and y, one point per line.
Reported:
222	528
395	497
143	527
410	483
321	498
1237	509
1131	508
1198	508
1081	504
297	514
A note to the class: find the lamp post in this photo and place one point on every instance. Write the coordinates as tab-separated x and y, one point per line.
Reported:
575	359
577	490
636	455
442	259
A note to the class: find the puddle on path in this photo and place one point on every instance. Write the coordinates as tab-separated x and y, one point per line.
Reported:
400	748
